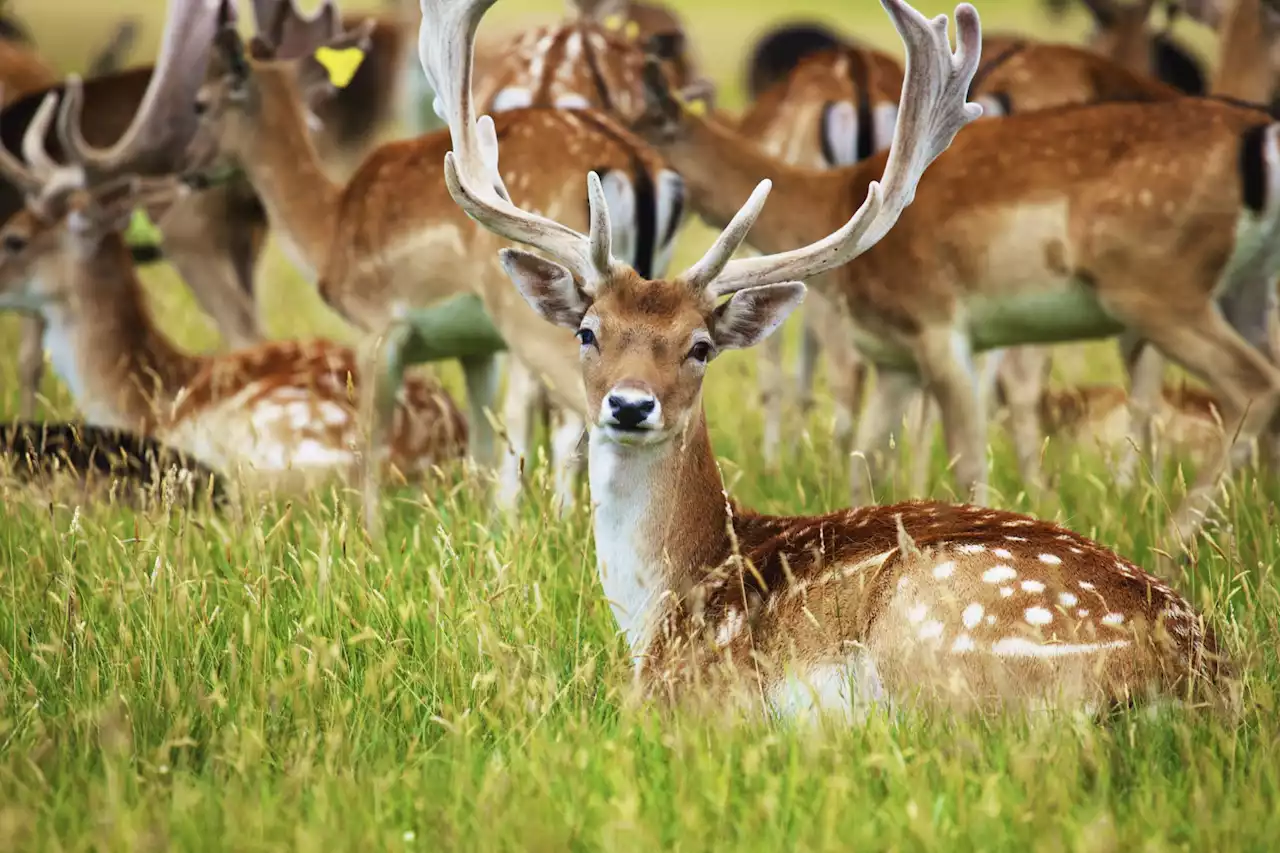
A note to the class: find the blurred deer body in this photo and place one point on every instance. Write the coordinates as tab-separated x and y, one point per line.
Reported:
389	238
950	605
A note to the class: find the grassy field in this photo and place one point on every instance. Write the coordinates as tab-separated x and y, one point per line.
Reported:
274	680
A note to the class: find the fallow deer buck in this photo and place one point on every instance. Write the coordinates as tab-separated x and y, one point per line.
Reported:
954	605
389	240
1107	218
280	415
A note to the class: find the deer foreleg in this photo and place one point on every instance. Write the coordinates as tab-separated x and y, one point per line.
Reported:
30	364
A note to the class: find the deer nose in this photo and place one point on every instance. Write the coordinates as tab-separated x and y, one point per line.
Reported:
629	408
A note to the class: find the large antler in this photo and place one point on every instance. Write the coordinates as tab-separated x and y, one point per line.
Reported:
166	119
40	169
446	42
932	111
289	32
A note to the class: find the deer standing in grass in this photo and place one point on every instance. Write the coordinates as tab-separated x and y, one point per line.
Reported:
837	108
1046	227
388	240
279	415
954	605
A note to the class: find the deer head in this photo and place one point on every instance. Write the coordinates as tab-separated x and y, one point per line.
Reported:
70	209
645	345
293	62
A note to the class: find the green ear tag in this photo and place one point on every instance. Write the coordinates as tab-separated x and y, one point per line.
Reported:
341	64
142	231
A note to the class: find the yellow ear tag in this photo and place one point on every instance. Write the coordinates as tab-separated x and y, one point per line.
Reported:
696	108
613	22
632	31
341	64
142	231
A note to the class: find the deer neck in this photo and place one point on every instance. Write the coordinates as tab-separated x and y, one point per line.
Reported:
284	167
1244	68
721	169
104	344
661	522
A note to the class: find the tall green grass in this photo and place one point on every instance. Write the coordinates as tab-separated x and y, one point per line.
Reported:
273	680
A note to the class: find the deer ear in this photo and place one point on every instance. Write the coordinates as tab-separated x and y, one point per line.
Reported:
753	314
547	286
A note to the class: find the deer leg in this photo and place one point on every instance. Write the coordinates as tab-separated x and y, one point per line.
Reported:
1251	309
771	399
881	417
922	417
30	364
481	373
945	357
1021	376
566	439
206	239
519	405
1145	366
1249	386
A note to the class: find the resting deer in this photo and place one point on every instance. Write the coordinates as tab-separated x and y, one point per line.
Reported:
1127	217
388	239
281	415
956	605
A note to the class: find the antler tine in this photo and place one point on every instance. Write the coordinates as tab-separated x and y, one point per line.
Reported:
707	270
165	119
290	32
446	42
20	174
932	111
34	151
597	10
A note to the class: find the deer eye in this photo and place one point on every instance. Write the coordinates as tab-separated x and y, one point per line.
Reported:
587	337
700	351
14	243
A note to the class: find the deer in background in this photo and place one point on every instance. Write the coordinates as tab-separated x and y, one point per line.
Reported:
1106	218
279	415
215	237
1121	33
838	107
950	605
591	60
389	241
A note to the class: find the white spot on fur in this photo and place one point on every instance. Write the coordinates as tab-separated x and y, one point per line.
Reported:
1015	539
963	643
1002	553
1006	591
731	627
1021	647
999	573
1082	612
1084	585
972	549
917	613
1113	619
972	615
1051	559
1032	586
1067	599
1038	616
944	570
931	630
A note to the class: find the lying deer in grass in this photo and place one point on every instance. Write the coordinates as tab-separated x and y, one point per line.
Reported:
922	601
280	415
389	240
125	466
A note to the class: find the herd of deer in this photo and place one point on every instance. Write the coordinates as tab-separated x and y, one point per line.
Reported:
1079	196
